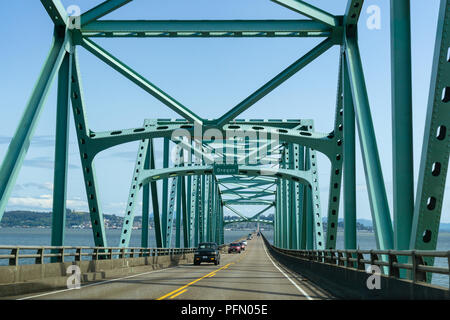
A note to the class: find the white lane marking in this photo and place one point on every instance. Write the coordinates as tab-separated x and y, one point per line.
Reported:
287	277
94	284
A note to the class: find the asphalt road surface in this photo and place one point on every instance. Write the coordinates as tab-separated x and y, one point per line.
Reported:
250	275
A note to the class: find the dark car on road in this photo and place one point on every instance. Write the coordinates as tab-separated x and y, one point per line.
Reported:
207	252
234	247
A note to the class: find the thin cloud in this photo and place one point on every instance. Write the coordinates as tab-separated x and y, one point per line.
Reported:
44	163
43	202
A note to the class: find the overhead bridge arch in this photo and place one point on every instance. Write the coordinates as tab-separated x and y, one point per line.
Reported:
147	176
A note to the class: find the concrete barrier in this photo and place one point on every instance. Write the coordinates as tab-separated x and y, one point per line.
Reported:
348	283
24	279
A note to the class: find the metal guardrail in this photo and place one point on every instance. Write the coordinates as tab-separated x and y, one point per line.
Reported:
360	259
62	254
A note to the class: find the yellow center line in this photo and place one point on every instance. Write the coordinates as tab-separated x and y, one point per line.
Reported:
191	283
176	295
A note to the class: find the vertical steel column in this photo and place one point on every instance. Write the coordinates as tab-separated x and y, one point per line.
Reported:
301	220
436	147
155	200
205	207
402	130
200	211
309	206
374	175
188	193
165	191
295	198
349	163
127	226
87	159
194	211
169	224
334	195
218	216
178	213
186	215
286	202
282	216
277	222
145	201
61	152
319	243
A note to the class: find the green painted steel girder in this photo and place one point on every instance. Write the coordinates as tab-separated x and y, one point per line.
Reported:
310	11
435	148
277	123
246	202
101	10
256	216
251	193
206	28
56	11
334	193
352	15
61	152
349	164
226	222
322	142
374	176
164	173
87	159
402	126
127	225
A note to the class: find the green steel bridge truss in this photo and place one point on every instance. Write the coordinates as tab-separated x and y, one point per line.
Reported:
239	163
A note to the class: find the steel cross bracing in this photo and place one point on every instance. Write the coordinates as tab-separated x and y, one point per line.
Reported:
240	164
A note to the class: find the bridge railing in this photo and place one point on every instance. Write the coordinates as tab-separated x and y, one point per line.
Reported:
16	255
414	261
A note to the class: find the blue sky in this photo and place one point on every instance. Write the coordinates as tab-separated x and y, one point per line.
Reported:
208	75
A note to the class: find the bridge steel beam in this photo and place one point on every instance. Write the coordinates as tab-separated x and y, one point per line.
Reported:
127	225
322	142
285	198
86	155
101	10
204	28
165	192
61	152
56	12
374	175
335	184
146	201
402	128
309	206
435	148
155	200
309	11
350	239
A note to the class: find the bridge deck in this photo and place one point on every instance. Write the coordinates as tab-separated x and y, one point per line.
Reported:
251	275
